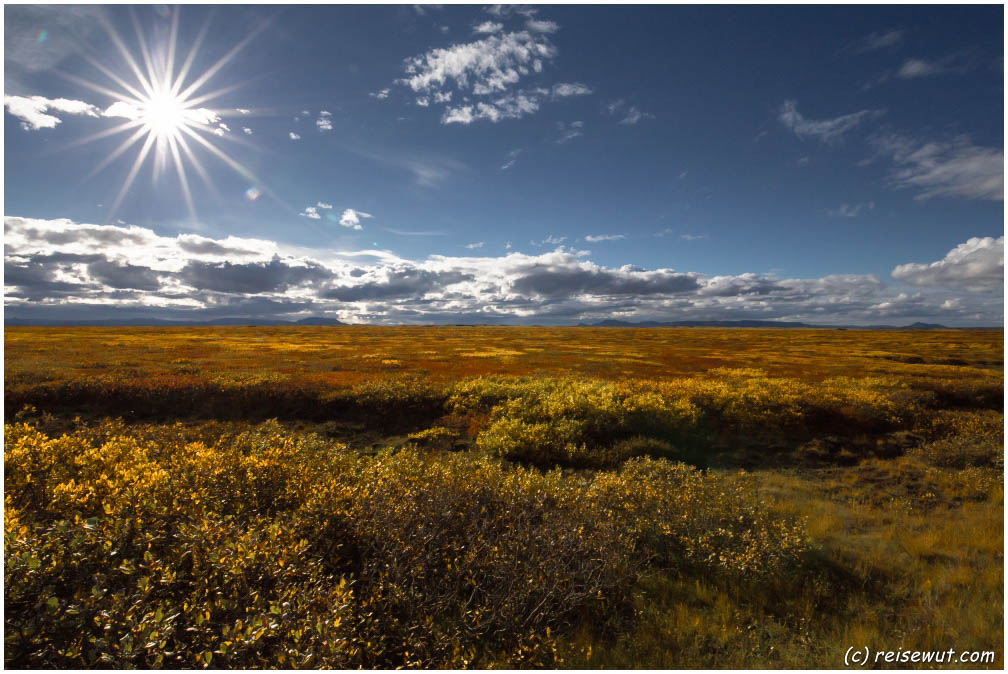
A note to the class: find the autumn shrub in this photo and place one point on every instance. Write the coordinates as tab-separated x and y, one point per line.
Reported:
139	547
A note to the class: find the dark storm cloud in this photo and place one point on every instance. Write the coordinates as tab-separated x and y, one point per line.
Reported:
197	245
35	280
400	283
124	276
552	282
250	278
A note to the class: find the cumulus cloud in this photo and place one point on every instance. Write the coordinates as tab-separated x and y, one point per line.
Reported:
310	212
294	136
977	264
60	269
324	122
33	111
351	218
380	95
955	168
823	130
248	131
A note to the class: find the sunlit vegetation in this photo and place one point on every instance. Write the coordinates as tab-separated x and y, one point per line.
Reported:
499	497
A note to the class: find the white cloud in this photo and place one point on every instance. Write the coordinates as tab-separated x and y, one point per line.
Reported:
32	110
488	27
488	70
977	264
294	136
311	212
595	238
243	111
323	205
352	218
248	131
483	67
954	168
511	106
563	89
324	123
542	26
824	130
474	246
380	95
850	210
692	237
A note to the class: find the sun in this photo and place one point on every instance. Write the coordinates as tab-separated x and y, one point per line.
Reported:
164	108
163	115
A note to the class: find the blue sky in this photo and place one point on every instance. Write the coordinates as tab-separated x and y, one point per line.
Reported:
547	164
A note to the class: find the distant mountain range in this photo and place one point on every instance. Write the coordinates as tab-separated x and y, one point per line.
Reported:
319	321
161	323
612	323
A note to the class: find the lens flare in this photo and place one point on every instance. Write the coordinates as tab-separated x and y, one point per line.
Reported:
252	194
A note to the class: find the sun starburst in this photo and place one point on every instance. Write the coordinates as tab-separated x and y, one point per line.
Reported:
163	108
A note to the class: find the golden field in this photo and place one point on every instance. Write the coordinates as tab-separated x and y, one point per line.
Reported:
500	496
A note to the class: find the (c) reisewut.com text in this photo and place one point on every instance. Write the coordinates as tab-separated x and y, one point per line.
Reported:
866	657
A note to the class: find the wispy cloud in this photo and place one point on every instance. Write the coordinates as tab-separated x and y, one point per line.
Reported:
850	210
380	95
351	218
247	131
954	168
692	237
913	68
629	114
34	111
875	41
595	238
823	130
569	131
474	246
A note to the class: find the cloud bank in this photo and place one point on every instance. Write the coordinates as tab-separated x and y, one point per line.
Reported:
60	269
